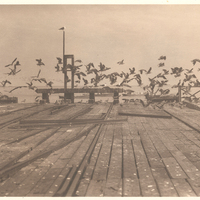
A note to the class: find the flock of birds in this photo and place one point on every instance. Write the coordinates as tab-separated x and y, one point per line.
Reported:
82	71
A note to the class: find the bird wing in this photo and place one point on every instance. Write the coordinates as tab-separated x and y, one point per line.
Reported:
83	74
38	73
149	70
8	65
78	61
43	79
17	71
38	60
37	97
62	28
14	61
16	88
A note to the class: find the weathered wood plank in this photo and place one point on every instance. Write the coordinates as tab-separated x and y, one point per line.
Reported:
96	188
129	164
152	154
186	165
100	172
131	187
147	182
166	188
174	168
113	187
29	183
82	188
183	188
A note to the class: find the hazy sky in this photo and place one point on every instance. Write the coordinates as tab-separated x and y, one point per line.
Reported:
139	34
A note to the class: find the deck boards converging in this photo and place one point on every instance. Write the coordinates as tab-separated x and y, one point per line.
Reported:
134	156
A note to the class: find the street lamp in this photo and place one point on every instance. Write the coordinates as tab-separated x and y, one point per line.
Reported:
64	67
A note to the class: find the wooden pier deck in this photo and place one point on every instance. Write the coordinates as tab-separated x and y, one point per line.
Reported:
131	156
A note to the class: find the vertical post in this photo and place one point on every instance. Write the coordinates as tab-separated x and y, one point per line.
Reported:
116	97
179	93
91	97
45	96
64	68
72	79
72	73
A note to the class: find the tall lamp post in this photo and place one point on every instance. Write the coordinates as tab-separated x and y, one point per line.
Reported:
64	66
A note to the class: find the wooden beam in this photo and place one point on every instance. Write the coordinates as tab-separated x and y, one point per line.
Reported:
80	90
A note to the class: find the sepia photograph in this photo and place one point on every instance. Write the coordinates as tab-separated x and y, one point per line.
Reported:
100	100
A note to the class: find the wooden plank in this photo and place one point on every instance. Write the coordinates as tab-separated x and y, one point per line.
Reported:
158	143
96	188
148	187
95	154
129	164
185	118
131	187
115	167
68	152
189	152
166	188
10	184
160	115
82	188
174	168
83	164
183	188
186	165
41	188
100	172
66	183
182	125
53	188
160	173
147	182
126	131
80	153
29	183
87	176
113	187
195	184
191	136
152	155
132	127
57	183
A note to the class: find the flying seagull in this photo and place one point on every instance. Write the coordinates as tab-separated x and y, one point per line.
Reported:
4	83
194	61
17	88
62	28
120	62
39	62
162	58
59	60
11	63
78	61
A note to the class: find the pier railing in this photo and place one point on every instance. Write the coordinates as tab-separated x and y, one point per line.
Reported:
188	92
70	93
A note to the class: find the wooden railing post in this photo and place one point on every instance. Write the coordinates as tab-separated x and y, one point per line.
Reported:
179	93
91	97
45	96
116	98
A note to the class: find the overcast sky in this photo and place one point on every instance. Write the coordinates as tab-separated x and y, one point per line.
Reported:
139	34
